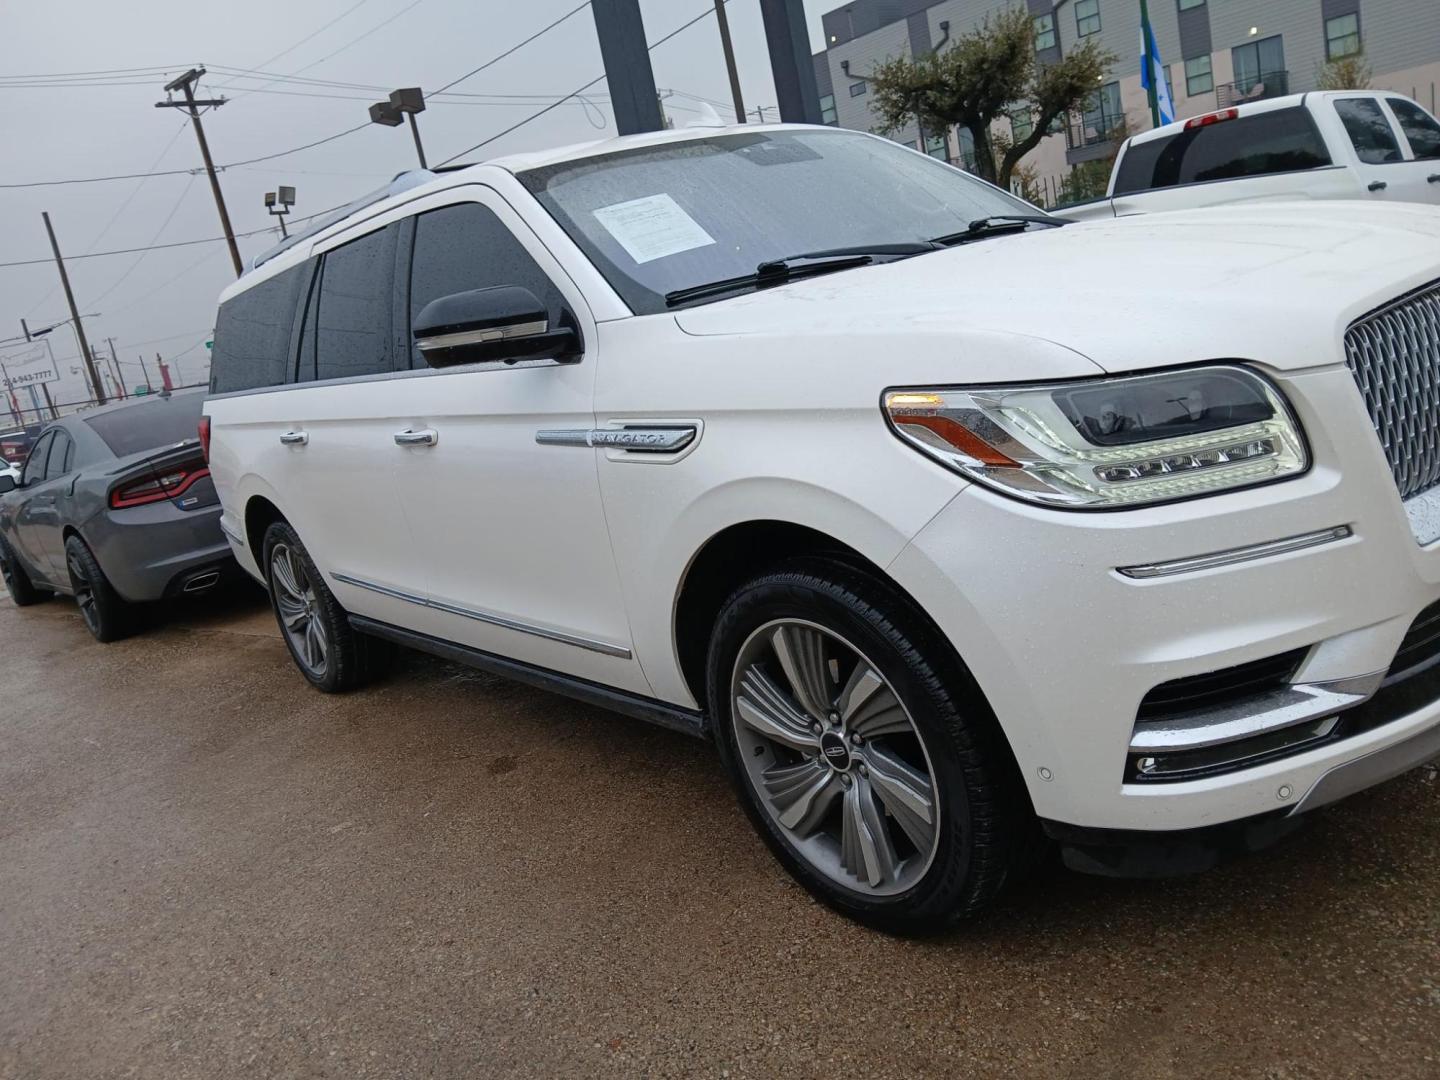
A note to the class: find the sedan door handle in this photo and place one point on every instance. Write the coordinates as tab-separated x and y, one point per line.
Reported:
294	438
411	437
1378	185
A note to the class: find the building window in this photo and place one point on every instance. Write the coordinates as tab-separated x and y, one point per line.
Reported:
857	88
1342	36
1022	123
1260	64
1044	32
1103	116
828	114
1186	5
1199	79
1087	17
968	161
937	147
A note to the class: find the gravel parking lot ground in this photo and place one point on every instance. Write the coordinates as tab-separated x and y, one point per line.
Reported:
208	870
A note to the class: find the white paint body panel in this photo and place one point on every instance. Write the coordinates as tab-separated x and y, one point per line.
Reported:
786	385
1348	178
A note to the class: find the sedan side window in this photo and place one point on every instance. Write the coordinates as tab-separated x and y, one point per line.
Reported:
35	463
61	450
465	247
1370	132
1419	126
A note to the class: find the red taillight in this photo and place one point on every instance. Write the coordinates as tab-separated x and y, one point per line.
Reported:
1211	118
205	437
165	486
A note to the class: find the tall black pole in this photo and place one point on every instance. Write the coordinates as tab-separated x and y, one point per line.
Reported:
415	130
790	61
627	66
95	383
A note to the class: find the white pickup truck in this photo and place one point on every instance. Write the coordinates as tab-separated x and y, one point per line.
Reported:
1342	144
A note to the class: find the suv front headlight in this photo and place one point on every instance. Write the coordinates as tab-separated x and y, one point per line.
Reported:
1109	443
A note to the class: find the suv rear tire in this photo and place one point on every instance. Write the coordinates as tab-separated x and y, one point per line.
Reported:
106	615
862	750
331	654
17	582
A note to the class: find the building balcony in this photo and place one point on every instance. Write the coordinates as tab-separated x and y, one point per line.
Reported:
1092	136
1271	84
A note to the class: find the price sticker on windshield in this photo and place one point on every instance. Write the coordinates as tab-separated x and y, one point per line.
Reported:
652	227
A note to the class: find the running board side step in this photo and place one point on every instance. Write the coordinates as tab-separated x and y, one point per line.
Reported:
674	717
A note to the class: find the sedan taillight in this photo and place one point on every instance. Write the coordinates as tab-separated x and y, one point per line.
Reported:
155	488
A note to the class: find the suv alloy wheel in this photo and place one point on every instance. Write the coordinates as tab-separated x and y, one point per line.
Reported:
331	654
862	751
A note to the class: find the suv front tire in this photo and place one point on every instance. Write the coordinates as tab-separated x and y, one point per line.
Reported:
862	751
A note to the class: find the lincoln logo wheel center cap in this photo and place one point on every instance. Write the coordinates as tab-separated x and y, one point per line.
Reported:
836	752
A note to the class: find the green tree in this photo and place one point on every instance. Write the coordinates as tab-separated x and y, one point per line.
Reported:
985	75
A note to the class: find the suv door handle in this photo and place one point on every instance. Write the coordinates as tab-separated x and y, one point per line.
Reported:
1378	185
294	438
411	437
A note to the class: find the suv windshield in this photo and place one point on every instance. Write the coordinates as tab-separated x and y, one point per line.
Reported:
666	218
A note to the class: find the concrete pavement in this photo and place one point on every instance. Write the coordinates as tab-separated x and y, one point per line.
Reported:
208	870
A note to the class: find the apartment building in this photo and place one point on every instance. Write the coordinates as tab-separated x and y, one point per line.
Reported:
1216	52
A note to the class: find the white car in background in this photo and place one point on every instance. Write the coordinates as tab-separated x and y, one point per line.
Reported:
950	526
1340	144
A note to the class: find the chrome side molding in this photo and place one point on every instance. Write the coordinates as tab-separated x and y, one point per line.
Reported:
594	645
658	439
475	337
1232	556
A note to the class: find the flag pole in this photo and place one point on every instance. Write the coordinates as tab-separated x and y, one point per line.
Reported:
1147	58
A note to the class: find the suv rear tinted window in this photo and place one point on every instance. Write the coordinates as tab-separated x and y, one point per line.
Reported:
161	421
353	321
1284	140
252	335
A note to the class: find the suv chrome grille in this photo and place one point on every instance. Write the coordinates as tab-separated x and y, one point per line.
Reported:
1394	354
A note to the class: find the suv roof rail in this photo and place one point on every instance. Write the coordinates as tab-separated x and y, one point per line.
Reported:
402	182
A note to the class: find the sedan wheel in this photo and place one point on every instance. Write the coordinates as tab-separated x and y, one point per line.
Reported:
834	757
297	603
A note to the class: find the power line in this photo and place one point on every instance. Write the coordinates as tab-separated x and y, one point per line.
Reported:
309	36
515	48
141	258
104	71
575	93
134	250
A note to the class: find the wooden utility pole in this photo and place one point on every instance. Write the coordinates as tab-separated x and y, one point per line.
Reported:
729	50
186	84
149	389
95	383
115	366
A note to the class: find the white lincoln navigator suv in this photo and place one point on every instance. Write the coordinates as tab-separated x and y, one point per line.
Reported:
956	527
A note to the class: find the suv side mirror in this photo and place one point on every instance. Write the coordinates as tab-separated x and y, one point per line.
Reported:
7	483
507	323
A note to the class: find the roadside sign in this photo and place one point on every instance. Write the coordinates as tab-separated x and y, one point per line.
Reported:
140	391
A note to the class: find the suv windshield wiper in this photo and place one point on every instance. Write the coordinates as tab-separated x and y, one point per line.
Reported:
805	264
996	225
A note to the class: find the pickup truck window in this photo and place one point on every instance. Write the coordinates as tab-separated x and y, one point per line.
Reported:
1369	130
661	219
1419	127
1285	140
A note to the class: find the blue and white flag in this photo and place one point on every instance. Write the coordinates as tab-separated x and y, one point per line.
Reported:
1153	72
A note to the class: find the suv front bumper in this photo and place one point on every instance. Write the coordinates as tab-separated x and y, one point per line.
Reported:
1065	646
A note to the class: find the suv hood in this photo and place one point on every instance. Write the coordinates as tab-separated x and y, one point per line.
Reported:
1276	284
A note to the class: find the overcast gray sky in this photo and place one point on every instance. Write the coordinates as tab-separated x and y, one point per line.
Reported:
165	300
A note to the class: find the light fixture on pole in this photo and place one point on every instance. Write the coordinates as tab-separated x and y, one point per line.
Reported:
403	103
284	198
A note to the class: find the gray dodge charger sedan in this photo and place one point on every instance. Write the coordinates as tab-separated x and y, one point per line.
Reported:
114	507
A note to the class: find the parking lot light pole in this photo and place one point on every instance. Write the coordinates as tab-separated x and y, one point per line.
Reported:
402	104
